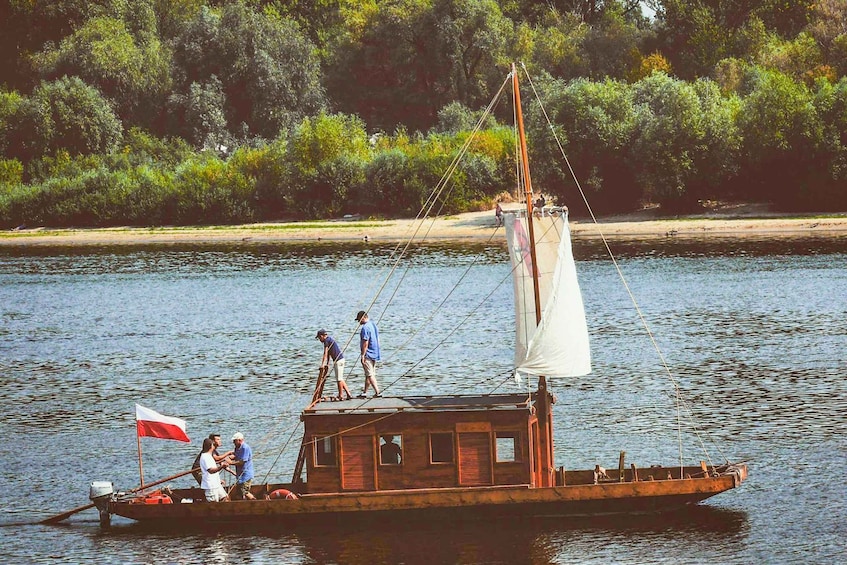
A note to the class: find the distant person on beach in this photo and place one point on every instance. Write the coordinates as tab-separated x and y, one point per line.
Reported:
369	345
498	215
211	479
539	205
333	351
217	442
243	467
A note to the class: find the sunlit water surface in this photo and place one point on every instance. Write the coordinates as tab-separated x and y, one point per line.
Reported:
753	332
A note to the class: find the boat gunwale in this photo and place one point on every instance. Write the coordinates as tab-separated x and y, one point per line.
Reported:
518	497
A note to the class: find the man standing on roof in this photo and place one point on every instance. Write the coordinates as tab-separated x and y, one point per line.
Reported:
243	467
369	343
333	351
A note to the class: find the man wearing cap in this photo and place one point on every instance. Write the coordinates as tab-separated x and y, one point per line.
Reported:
243	467
369	343
333	351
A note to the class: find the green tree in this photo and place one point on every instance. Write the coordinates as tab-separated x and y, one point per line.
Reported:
207	191
830	192
11	172
65	114
695	36
10	106
320	151
385	189
717	159
173	15
797	58
826	25
322	20
268	70
456	117
27	26
595	122
412	57
205	118
698	33
557	48
587	11
272	75
611	46
669	136
782	135
105	54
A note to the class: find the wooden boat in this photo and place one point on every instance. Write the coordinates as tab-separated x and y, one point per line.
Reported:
456	456
462	457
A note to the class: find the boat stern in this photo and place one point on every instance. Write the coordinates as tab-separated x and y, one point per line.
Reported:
738	472
101	493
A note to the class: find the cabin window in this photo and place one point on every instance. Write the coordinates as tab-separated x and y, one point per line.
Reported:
390	449
441	447
507	447
325	452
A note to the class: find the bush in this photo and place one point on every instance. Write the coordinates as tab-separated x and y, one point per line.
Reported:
207	191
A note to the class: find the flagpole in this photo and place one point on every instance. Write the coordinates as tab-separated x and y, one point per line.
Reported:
140	466
150	423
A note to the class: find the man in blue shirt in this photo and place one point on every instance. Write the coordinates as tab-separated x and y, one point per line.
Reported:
369	343
243	467
333	351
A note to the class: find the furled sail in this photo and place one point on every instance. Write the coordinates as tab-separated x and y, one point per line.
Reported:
558	346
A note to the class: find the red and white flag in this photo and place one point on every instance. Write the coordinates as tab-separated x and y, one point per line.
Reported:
152	424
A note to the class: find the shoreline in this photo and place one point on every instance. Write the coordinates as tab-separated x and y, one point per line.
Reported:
477	227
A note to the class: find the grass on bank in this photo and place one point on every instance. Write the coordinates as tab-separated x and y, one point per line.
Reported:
255	228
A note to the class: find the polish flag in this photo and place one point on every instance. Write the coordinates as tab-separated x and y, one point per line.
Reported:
152	424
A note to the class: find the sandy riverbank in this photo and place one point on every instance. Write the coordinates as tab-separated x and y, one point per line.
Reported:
475	226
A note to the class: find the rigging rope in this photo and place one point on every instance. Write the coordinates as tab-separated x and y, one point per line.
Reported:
424	213
419	220
679	401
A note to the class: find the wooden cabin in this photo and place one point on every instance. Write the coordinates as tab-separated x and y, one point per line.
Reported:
422	442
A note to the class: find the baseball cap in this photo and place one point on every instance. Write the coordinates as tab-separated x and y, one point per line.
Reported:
360	315
320	333
238	435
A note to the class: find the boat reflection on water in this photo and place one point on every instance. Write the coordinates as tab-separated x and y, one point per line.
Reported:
698	530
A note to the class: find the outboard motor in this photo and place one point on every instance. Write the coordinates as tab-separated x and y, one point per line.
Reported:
100	494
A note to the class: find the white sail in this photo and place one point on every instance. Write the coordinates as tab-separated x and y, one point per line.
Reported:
558	347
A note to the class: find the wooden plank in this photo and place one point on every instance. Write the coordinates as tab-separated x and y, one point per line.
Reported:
609	497
621	475
473	427
358	469
475	464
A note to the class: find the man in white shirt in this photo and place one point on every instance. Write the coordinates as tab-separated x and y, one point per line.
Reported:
211	482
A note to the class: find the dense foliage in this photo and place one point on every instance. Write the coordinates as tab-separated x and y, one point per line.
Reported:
156	112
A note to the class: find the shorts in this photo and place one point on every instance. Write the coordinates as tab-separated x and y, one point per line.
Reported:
215	495
243	488
369	365
338	367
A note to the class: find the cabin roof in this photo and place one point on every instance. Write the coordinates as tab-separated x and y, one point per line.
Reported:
451	403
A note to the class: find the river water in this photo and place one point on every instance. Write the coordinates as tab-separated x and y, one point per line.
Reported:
753	332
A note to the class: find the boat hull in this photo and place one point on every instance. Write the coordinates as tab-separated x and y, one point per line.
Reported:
611	498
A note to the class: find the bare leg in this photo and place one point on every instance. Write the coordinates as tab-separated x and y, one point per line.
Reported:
342	388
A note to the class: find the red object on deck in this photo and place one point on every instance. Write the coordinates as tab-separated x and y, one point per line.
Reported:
154	498
282	493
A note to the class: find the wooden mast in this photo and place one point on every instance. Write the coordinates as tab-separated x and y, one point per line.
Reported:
528	191
545	415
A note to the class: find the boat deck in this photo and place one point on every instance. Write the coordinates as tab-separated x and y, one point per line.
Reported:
451	403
